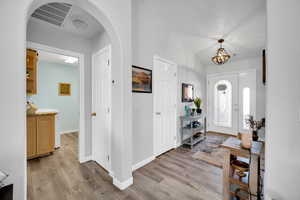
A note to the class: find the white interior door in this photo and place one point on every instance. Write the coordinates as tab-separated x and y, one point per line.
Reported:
101	107
165	96
223	104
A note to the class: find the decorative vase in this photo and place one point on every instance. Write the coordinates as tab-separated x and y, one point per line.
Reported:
254	136
199	110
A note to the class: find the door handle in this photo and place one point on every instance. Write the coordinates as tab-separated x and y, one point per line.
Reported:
158	113
93	114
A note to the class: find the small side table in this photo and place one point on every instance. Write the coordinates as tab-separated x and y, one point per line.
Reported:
232	147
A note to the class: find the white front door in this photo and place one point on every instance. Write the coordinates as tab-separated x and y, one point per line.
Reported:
231	99
165	97
223	104
101	106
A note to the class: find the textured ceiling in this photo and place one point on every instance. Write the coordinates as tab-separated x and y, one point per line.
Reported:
74	13
196	25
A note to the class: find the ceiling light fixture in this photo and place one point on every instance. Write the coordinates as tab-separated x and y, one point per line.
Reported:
71	60
222	56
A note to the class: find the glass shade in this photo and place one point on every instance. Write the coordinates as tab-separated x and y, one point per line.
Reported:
222	57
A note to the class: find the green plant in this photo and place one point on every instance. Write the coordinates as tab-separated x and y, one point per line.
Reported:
197	102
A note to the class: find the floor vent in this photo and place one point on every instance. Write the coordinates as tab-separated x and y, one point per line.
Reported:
53	13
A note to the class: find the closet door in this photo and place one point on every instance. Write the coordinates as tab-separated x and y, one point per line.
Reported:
165	96
101	106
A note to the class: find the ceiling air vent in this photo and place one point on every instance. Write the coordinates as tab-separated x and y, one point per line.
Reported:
53	13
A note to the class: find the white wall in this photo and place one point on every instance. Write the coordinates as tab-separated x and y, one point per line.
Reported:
282	178
152	36
115	16
100	41
250	63
50	74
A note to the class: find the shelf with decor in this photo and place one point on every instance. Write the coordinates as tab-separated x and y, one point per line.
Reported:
193	129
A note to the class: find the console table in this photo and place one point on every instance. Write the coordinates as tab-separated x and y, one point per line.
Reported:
189	133
232	148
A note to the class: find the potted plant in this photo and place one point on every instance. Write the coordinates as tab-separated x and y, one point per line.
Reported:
255	126
197	102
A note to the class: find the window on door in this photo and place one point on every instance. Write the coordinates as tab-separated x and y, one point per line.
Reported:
246	106
223	104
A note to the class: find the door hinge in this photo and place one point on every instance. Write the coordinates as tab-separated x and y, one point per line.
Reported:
108	157
107	62
108	110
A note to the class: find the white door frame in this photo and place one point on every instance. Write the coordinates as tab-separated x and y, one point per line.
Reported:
156	57
81	151
108	47
236	72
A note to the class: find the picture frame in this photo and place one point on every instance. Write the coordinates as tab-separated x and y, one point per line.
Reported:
64	89
187	92
141	80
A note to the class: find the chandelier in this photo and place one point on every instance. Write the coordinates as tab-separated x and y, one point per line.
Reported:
222	56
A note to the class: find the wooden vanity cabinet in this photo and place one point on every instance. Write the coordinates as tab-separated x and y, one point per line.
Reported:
40	135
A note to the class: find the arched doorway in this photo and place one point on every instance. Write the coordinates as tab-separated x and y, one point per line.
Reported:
117	89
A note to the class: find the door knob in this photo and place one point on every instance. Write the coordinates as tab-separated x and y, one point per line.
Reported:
158	113
93	114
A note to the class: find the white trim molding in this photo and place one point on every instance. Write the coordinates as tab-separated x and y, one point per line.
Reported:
122	185
143	163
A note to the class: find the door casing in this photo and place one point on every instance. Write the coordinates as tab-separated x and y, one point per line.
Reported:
82	117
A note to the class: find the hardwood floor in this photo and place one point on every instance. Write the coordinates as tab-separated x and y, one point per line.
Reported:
174	175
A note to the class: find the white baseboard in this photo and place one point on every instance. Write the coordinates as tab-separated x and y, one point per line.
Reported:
143	163
122	185
69	131
85	159
111	173
178	145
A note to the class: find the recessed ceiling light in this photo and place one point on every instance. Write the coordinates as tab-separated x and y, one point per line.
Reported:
71	60
80	24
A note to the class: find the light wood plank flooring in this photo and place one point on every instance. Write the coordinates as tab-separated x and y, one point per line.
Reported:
174	175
